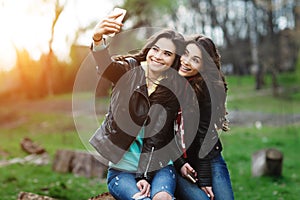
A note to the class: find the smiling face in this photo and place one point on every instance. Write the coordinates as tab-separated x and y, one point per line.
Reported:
160	57
191	61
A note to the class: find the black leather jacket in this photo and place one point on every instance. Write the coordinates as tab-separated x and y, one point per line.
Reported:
205	145
130	110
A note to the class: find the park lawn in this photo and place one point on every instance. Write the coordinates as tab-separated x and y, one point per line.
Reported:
243	96
43	181
239	144
242	142
52	130
55	130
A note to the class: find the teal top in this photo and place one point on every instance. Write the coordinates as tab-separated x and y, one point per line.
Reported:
130	160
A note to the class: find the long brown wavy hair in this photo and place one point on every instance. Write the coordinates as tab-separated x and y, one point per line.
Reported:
213	75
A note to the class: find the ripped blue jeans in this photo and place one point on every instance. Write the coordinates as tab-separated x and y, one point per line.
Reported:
122	185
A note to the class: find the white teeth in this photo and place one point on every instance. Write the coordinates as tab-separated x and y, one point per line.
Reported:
185	68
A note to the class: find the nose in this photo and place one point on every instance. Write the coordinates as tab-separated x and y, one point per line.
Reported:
158	54
185	60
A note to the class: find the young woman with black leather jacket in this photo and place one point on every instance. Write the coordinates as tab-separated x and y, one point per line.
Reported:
200	65
136	134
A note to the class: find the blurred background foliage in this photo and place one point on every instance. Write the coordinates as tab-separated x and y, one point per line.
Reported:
254	37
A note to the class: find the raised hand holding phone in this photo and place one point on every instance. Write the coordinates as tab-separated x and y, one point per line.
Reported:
109	26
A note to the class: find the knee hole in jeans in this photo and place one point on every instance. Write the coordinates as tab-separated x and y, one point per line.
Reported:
162	196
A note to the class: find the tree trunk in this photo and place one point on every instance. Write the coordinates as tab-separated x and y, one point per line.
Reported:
275	49
275	85
297	16
259	77
48	68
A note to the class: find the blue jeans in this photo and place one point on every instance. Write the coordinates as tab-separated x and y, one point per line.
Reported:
122	185
221	184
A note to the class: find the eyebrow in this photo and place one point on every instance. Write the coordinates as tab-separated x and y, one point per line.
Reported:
194	56
197	57
168	51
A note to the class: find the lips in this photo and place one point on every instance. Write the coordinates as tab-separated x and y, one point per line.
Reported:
185	69
156	62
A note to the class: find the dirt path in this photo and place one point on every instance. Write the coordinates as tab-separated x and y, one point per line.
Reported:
248	118
9	113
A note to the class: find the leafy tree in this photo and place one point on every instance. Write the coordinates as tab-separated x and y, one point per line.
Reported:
149	13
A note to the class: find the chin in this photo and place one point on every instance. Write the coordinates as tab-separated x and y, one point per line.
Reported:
181	73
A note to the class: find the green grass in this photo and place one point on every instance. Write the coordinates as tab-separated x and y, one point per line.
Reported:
243	96
52	131
43	181
56	130
241	143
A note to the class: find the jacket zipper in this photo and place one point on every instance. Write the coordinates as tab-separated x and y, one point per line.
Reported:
148	164
152	149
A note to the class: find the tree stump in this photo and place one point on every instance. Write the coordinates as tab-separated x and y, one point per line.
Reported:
62	161
31	196
267	162
79	163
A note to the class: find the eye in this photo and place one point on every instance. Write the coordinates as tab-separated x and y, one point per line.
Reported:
154	48
186	53
195	60
167	53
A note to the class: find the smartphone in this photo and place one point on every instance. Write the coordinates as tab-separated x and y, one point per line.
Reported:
119	11
191	177
120	18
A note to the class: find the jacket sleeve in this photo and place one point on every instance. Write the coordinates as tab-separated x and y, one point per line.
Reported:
179	163
203	165
204	173
107	67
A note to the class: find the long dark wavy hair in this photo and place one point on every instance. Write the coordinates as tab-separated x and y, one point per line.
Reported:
211	74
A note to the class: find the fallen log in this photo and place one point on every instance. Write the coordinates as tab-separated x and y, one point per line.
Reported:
32	196
30	147
103	196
